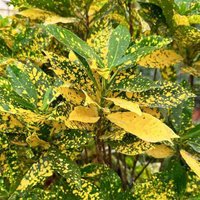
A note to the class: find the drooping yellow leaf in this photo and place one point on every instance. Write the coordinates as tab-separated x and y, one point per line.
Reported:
89	99
146	127
160	151
191	161
161	58
35	141
84	114
133	107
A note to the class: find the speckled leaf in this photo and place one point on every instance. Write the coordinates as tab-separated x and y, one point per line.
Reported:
38	173
168	95
5	51
87	191
110	182
141	48
3	191
187	39
61	7
118	43
22	84
161	58
64	166
24	38
180	116
73	139
191	161
147	127
70	72
157	188
133	84
74	43
168	73
130	145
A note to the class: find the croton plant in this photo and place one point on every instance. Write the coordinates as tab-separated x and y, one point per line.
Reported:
96	100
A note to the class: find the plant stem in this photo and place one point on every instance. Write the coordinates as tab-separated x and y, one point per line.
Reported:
133	170
162	164
191	80
155	74
86	155
150	160
125	172
130	17
110	156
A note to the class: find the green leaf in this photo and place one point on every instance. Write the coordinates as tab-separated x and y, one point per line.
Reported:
133	84
22	84
175	171
24	38
5	51
130	145
195	144
65	166
168	95
110	182
192	133
118	43
73	42
37	173
105	10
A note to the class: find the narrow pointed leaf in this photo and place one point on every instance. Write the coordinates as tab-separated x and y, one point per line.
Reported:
118	43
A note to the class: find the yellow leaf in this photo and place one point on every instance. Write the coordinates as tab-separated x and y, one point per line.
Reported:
147	127
70	94
89	100
133	107
105	73
53	19
161	58
160	151
84	114
191	161
35	141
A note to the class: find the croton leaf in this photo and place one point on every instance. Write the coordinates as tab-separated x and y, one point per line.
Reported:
70	72
160	59
160	151
157	188
130	145
191	161
5	51
128	105
56	7
133	83
118	43
73	138
64	166
22	84
168	95
74	43
107	178
38	173
146	127
84	114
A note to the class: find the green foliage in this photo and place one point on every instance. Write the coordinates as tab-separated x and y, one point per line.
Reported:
81	116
